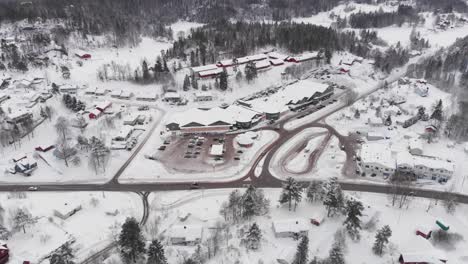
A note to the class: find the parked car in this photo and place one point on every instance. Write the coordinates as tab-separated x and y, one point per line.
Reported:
32	188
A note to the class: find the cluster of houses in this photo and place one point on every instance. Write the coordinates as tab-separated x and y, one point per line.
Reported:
23	165
344	66
379	159
263	61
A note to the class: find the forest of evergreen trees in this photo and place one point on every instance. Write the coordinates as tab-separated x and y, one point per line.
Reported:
242	38
380	18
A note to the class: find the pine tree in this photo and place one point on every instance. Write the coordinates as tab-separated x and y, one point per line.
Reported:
250	71
333	197
437	113
131	241
248	202
253	237
353	222
292	191
357	115
314	191
156	253
328	55
194	82
190	261
186	84
63	255
302	251
144	68
165	68
381	239
336	255
315	260
223	80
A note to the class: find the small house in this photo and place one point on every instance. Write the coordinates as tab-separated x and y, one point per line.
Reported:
126	95
303	57
125	133
66	210
290	228
18	116
131	119
23	84
95	114
262	65
91	90
203	96
103	106
419	258
276	62
196	70
226	63
100	91
173	97
68	88
25	166
116	93
82	54
424	232
147	97
185	235
44	148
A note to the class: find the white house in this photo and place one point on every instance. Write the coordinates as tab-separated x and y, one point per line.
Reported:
375	121
68	88
116	93
185	235
66	210
124	133
203	96
126	95
377	160
290	227
147	96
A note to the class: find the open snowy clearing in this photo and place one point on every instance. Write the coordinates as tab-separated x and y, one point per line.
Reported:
90	227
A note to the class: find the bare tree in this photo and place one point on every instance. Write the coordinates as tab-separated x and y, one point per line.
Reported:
62	126
350	97
400	190
21	218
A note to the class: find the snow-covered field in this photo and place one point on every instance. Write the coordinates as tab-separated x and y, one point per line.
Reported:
203	209
90	227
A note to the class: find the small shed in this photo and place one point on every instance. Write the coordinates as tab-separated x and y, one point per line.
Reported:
66	210
185	235
83	54
95	113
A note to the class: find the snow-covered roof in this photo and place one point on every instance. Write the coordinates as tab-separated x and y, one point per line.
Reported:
100	90
405	158
302	89
95	111
217	149
125	131
204	68
103	105
262	64
294	225
420	257
377	153
68	87
172	95
244	139
147	95
66	208
228	115
276	61
187	232
415	143
210	72
203	94
126	94
116	93
251	58
375	120
278	56
307	56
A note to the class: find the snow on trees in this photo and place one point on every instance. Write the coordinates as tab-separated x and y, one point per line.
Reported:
333	197
22	218
252	202
302	252
131	242
381	240
156	253
352	222
99	154
62	126
63	255
336	256
186	85
292	191
253	237
250	71
314	191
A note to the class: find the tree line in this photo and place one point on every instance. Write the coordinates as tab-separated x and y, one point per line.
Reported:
381	19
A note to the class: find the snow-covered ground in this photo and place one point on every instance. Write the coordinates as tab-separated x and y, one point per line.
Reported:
153	171
90	227
202	208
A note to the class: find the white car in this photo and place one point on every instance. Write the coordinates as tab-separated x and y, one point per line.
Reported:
32	188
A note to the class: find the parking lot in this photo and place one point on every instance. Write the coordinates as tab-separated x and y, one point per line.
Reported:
191	153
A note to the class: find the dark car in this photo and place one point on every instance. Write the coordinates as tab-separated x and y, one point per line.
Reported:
162	148
194	186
